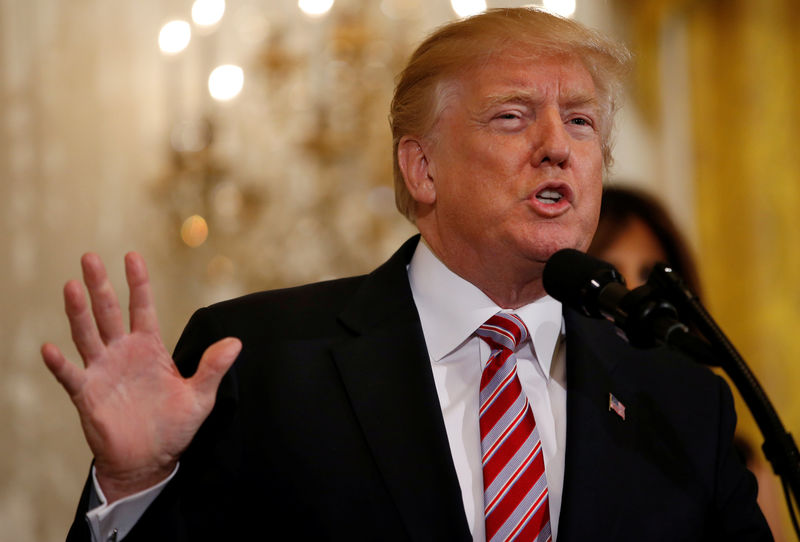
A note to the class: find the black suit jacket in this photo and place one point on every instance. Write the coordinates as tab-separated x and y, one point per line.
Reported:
328	427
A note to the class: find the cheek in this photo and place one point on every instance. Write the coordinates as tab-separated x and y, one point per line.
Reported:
592	183
493	155
594	166
590	212
591	194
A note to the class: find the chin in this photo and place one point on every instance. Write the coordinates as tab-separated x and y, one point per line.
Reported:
541	253
542	250
539	241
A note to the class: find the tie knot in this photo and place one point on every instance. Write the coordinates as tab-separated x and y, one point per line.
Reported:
503	330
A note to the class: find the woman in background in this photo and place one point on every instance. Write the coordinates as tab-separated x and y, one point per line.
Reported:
635	232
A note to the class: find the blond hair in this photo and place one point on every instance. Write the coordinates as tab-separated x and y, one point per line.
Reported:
457	46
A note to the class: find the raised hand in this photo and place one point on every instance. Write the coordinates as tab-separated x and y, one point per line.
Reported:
138	413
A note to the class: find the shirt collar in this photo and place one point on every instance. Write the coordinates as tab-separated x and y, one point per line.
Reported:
451	309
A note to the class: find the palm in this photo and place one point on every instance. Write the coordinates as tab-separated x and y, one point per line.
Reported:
138	413
131	412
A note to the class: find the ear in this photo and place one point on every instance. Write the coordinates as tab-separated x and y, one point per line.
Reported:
416	170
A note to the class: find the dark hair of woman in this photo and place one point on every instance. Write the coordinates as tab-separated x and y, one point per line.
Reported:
620	206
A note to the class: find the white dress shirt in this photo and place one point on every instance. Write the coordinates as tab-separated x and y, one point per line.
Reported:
451	310
112	522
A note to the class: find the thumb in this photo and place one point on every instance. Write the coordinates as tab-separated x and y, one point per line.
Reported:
69	375
216	361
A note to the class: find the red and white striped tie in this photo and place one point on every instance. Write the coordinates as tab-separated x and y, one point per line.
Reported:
516	505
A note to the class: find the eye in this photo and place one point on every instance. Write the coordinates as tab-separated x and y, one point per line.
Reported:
509	120
580	125
580	121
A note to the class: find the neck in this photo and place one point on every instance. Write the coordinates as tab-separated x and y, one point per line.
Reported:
508	286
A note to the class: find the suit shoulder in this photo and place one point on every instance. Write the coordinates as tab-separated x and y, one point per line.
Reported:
285	309
331	291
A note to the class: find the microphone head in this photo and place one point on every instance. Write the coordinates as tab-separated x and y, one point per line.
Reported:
576	279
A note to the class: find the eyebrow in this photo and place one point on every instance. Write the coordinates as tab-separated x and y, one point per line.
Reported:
511	97
571	100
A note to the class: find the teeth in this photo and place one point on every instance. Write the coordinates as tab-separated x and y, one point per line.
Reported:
548	196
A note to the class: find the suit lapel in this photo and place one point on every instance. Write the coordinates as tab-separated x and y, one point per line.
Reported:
386	370
594	491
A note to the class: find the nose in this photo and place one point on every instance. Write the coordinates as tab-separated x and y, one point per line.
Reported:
551	142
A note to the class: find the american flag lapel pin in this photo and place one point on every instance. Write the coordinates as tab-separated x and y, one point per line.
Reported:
615	405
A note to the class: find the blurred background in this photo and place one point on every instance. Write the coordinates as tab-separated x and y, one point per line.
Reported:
244	145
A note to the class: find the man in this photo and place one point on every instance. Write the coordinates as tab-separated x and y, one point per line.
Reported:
409	404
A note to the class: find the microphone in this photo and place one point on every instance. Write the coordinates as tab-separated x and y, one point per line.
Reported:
646	318
596	289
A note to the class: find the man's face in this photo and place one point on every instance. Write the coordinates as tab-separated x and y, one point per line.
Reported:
516	163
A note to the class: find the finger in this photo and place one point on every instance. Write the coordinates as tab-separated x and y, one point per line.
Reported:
81	323
105	306
67	374
141	307
216	361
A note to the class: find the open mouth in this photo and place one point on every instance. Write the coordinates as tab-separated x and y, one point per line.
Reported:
549	196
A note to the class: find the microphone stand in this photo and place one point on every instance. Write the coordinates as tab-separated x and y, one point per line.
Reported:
779	446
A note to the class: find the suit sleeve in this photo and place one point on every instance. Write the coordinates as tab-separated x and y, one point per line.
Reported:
737	513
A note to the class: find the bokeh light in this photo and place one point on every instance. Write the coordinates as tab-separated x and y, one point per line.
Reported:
225	82
190	135
220	268
208	12
194	231
315	8
465	8
565	8
174	37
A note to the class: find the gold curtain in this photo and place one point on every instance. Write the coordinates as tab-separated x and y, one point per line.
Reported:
744	72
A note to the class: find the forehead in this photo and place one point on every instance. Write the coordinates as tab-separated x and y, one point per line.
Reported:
513	75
